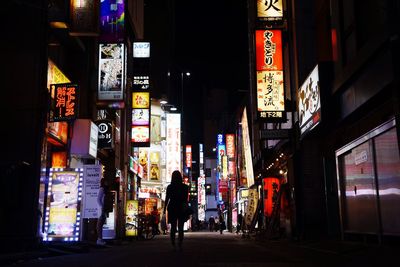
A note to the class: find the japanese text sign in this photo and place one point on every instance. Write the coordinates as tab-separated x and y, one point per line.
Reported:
65	102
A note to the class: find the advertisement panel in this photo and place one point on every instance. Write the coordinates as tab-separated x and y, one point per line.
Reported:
269	50
270	93
188	158
131	222
55	75
140	83
270	75
248	162
231	152
140	116
173	144
64	104
140	135
105	136
144	162
111	71
59	159
201	198
270	9
141	100
140	119
252	206
155	166
155	135
309	102
91	185
141	49
62	218
112	21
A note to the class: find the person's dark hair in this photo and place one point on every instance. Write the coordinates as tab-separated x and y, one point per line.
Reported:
176	178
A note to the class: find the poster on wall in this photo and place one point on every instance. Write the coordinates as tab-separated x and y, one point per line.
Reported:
144	162
132	212
111	71
309	102
91	185
155	128
62	213
155	166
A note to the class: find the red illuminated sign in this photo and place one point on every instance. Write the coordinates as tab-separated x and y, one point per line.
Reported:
65	102
270	75
269	50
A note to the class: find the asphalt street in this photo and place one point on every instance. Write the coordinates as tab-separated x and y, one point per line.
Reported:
216	250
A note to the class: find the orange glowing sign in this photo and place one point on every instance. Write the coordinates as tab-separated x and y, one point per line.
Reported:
55	75
59	159
188	156
230	151
140	100
65	102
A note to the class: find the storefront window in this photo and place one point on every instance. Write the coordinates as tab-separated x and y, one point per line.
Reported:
369	177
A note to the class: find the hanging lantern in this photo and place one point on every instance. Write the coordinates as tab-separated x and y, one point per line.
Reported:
271	188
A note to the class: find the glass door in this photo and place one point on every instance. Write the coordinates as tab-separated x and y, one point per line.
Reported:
359	201
388	173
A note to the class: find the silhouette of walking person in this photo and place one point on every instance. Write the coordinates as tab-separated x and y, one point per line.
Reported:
176	201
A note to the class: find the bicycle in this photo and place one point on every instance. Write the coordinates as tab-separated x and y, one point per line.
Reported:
145	229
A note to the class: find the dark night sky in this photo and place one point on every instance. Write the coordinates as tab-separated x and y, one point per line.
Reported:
210	40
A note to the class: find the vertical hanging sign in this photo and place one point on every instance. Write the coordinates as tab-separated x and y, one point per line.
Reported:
112	21
270	78
270	10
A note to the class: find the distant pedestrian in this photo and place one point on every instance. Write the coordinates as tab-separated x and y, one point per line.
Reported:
211	223
164	224
222	224
176	203
155	220
239	222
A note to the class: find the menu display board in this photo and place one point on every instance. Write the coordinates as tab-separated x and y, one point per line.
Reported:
63	208
132	212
